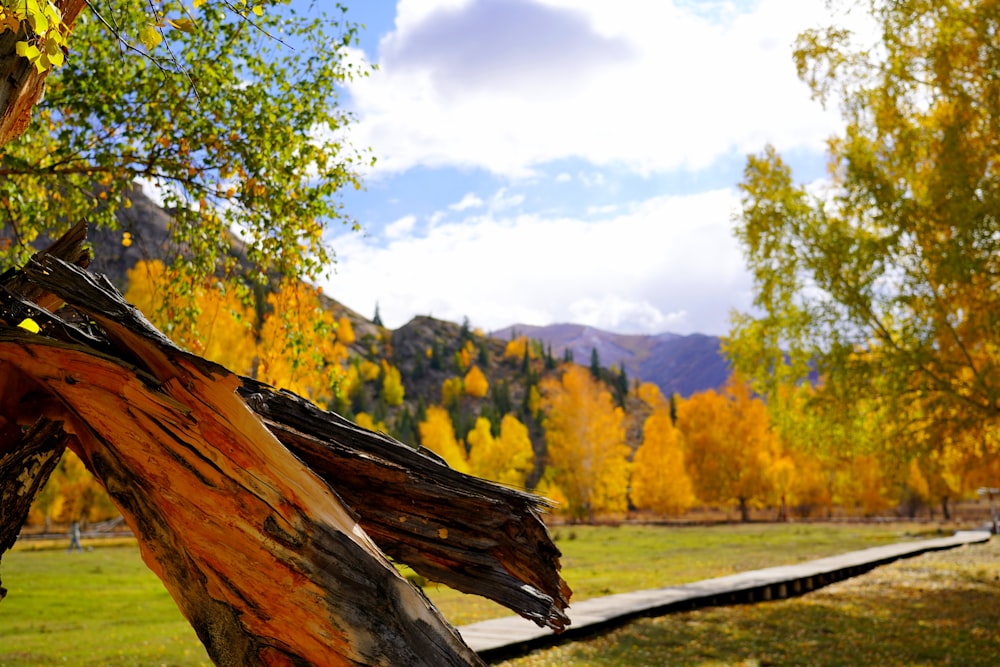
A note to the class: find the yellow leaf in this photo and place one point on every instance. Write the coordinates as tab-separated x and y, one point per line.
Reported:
25	50
182	24
198	3
150	37
29	324
258	10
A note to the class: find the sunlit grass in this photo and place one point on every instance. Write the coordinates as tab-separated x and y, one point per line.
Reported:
99	607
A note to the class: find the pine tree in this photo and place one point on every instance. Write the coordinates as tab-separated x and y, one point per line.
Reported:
377	320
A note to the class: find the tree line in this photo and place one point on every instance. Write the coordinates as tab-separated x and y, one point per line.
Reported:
568	437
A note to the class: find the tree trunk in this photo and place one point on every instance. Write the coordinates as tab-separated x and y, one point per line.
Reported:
21	85
744	510
945	510
230	488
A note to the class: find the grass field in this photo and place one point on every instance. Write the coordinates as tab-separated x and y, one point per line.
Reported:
103	607
604	560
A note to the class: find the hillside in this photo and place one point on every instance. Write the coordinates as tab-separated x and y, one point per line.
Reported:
678	364
429	352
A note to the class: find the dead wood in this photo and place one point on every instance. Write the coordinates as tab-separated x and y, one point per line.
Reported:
265	517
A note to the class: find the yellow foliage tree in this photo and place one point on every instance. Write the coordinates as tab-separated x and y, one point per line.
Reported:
294	344
451	391
345	332
222	329
365	420
297	349
650	394
861	486
660	481
507	459
585	435
438	435
72	494
476	384
516	348
392	384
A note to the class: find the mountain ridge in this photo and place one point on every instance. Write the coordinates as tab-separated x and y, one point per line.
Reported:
681	364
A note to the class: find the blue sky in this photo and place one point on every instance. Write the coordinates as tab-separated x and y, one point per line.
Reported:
545	161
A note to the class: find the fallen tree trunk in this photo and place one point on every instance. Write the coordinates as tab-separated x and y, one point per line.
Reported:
263	515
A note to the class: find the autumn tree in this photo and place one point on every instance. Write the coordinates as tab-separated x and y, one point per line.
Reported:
292	344
660	480
73	495
345	331
731	448
223	328
518	348
585	436
507	459
393	391
476	384
438	435
184	99
892	270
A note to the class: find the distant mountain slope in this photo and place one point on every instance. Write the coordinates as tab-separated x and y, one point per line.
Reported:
677	364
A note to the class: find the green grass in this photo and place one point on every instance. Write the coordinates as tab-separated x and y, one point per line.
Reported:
941	608
103	607
100	607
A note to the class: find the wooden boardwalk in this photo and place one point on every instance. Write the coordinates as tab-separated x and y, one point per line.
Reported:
502	638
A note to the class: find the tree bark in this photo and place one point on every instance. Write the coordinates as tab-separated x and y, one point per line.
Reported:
21	85
27	458
230	488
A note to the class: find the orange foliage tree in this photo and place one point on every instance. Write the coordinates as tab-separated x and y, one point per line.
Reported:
476	384
585	435
731	446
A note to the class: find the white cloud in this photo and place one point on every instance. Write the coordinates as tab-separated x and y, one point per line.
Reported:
563	177
472	84
400	228
468	201
667	263
502	200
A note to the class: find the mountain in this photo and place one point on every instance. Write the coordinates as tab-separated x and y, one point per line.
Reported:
677	364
